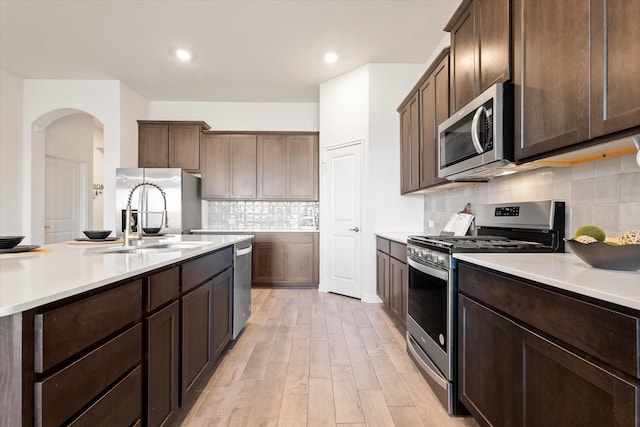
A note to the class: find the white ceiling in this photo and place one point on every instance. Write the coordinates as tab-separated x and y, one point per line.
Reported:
244	51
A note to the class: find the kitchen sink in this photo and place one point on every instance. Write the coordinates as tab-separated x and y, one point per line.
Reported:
155	248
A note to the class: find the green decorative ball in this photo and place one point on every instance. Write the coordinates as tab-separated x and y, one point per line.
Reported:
593	231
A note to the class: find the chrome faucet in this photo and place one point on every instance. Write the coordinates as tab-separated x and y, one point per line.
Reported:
128	233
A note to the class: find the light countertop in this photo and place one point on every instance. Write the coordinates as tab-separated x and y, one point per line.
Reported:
565	271
398	236
32	280
282	230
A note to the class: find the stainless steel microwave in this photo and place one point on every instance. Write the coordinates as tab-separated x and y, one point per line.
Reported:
476	143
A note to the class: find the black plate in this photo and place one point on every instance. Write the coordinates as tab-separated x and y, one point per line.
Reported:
151	235
18	249
86	239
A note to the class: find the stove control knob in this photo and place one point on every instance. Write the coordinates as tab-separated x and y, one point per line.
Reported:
440	260
429	257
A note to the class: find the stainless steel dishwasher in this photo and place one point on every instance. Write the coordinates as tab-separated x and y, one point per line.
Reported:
241	285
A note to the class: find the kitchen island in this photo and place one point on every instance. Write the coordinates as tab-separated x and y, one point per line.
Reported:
119	337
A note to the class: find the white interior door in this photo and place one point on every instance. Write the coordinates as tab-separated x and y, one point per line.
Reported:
342	227
64	200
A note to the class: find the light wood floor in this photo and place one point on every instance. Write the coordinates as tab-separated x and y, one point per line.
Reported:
308	358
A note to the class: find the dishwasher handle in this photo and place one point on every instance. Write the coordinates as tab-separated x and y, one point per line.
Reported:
244	251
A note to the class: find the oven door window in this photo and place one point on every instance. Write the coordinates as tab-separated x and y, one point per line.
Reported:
428	300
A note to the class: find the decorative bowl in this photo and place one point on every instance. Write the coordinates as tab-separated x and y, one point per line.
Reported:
8	242
151	230
610	257
97	234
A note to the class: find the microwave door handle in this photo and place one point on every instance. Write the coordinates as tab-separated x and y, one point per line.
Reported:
475	131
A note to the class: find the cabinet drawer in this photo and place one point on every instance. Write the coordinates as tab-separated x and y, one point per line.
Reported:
383	245
398	251
64	393
62	332
121	406
199	270
606	334
162	288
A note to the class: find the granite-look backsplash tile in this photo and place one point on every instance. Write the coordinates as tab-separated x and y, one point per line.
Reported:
604	192
259	215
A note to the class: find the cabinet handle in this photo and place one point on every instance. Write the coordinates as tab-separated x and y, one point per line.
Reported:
356	229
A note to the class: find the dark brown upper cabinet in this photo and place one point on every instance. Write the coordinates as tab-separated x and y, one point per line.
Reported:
426	106
615	66
480	48
409	145
434	109
229	166
575	64
170	144
288	167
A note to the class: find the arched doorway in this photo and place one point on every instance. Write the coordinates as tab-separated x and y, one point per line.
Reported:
67	161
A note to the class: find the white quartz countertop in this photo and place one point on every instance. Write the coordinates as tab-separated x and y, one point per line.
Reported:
29	281
565	271
282	230
398	236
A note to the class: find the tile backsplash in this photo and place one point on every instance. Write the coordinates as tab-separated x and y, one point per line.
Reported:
249	215
604	192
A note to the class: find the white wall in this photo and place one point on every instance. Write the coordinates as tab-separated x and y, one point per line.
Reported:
11	185
48	100
133	107
360	105
244	116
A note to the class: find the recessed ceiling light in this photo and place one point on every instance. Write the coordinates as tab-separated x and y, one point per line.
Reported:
183	55
330	57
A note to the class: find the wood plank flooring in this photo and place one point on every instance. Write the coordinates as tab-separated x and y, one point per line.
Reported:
308	358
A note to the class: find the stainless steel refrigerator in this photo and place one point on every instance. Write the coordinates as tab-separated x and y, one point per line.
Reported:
155	187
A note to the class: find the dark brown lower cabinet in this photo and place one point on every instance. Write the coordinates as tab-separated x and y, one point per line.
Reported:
285	259
163	365
398	289
197	312
382	276
511	374
392	277
222	311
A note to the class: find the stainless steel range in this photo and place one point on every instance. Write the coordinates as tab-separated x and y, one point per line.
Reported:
432	313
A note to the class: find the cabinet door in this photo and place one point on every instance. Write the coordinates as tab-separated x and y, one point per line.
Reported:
153	145
398	288
184	146
197	353
615	65
551	75
561	388
434	109
272	167
409	147
222	311
215	166
463	60
492	22
267	262
382	277
302	167
163	364
243	167
490	376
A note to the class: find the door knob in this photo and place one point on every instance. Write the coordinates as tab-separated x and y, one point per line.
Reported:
356	229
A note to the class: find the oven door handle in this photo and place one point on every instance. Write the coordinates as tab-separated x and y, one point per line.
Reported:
440	274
